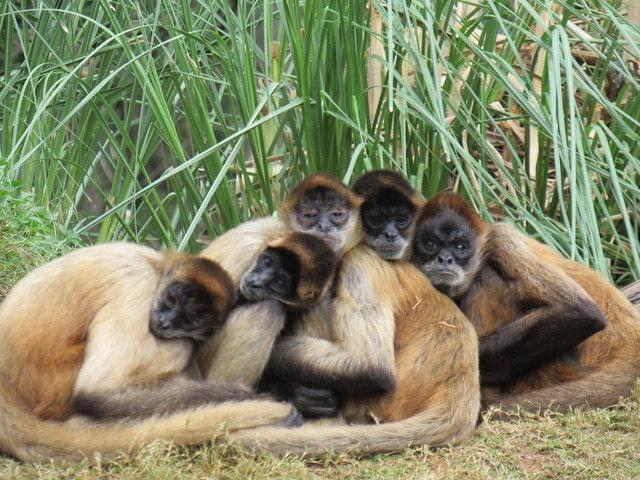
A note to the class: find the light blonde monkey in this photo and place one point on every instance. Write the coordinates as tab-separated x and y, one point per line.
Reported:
76	331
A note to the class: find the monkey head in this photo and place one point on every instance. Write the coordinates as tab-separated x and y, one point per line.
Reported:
322	206
193	299
447	243
296	269
388	212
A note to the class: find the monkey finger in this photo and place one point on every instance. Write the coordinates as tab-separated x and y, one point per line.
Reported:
320	412
295	419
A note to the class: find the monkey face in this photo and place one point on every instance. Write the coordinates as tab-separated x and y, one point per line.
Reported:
387	222
183	310
273	276
324	213
444	249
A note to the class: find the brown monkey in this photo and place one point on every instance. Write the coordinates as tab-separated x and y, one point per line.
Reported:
541	318
75	332
396	349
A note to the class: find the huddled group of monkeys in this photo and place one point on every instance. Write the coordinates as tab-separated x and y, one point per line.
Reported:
396	319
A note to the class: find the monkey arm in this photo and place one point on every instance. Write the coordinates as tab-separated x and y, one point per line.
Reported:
318	363
241	350
558	316
359	358
540	336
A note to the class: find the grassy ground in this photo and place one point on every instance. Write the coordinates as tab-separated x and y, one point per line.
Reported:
593	444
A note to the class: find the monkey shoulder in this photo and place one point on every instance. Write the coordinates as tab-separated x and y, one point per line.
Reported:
362	274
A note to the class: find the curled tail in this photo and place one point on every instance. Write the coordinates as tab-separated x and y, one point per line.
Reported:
602	388
29	438
434	427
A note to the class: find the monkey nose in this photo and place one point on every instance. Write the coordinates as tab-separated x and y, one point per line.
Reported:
390	235
448	260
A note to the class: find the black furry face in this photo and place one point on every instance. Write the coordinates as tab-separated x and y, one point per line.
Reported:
387	222
274	276
183	310
324	213
444	249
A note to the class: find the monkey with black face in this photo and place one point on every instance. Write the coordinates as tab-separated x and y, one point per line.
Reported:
541	318
296	270
185	305
388	212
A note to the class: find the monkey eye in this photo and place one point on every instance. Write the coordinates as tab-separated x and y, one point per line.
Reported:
266	261
170	299
403	220
310	214
429	246
338	213
461	247
375	221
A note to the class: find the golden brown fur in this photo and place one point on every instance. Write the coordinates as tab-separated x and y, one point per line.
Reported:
79	325
239	353
607	364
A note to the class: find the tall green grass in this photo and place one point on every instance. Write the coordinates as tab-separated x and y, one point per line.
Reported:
167	121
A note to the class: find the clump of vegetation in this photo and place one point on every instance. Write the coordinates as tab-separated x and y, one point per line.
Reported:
28	235
163	122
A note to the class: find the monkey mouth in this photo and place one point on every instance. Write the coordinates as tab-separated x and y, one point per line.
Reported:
251	294
390	253
442	276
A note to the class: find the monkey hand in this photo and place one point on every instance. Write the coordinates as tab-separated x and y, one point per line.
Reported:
315	402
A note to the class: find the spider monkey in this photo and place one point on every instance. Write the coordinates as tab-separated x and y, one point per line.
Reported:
553	333
80	371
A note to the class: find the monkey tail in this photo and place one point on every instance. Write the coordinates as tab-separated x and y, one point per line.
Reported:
434	427
602	388
31	439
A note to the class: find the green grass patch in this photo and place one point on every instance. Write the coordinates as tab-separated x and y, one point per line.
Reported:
28	236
